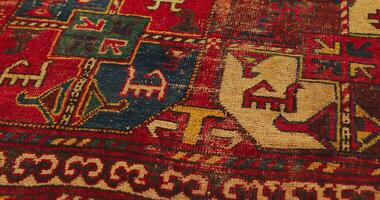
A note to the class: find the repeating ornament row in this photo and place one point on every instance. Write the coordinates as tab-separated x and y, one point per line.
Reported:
50	169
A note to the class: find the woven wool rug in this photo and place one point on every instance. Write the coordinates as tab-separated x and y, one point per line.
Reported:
189	99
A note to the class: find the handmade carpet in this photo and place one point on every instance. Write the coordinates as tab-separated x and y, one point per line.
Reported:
190	99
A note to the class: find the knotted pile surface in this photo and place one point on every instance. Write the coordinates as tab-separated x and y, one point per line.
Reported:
189	99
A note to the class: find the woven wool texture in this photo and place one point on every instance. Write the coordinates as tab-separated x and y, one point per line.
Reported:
189	99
